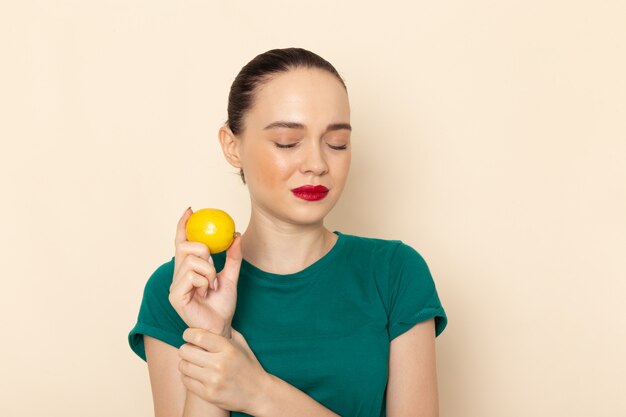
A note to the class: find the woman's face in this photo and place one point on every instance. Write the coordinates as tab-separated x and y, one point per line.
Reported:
314	114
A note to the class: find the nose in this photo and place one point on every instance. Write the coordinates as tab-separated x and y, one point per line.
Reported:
314	159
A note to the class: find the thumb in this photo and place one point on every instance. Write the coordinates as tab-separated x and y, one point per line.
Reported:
232	266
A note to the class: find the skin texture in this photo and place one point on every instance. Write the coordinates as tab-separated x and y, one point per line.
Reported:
412	385
286	234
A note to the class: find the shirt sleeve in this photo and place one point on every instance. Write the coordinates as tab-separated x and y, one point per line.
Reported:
412	293
157	318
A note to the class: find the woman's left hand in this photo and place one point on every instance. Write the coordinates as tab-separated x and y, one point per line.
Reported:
222	371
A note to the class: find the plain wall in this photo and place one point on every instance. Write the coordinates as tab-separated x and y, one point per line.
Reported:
492	134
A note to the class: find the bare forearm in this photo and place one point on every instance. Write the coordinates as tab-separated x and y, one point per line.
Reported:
284	400
198	407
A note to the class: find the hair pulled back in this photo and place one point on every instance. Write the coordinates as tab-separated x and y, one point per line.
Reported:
258	71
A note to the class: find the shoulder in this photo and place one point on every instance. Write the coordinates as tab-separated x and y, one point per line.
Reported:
376	247
383	258
392	253
394	264
405	255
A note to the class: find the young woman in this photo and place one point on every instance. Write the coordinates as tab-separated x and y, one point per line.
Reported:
326	323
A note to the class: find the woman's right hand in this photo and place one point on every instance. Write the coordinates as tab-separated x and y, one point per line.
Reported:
193	294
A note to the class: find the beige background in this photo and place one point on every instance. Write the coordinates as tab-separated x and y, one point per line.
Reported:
493	134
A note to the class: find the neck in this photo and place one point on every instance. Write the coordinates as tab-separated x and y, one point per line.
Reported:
285	248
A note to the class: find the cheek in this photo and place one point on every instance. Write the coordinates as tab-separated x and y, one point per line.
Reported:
274	167
347	157
282	166
341	163
279	162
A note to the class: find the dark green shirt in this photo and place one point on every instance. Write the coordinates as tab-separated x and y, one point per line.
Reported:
326	329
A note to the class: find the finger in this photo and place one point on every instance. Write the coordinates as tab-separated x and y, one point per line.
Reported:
193	248
181	232
194	386
195	263
182	289
194	354
181	235
232	266
188	249
205	339
193	371
199	266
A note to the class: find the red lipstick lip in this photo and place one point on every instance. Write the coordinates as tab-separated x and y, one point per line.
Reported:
310	189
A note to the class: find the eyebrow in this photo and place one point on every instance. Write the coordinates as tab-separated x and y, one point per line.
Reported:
295	125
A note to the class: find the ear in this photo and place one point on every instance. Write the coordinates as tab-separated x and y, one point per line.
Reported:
230	146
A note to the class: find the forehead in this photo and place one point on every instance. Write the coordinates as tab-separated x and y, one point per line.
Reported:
305	95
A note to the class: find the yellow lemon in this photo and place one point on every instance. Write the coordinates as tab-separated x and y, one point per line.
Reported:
213	227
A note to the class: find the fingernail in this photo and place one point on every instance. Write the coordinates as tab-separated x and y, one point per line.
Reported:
211	260
215	284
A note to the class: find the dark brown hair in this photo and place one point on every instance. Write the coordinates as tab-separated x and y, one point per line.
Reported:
258	71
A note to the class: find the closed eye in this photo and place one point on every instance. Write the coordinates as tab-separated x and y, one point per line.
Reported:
338	148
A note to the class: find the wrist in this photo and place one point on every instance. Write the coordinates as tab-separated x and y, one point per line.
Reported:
223	329
267	388
226	332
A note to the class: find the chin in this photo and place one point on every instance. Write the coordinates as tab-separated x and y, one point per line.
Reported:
310	214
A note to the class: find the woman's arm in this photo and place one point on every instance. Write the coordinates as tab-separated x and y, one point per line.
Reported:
411	390
284	400
412	386
169	395
226	371
196	406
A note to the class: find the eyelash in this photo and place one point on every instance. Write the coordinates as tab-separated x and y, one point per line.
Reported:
337	148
